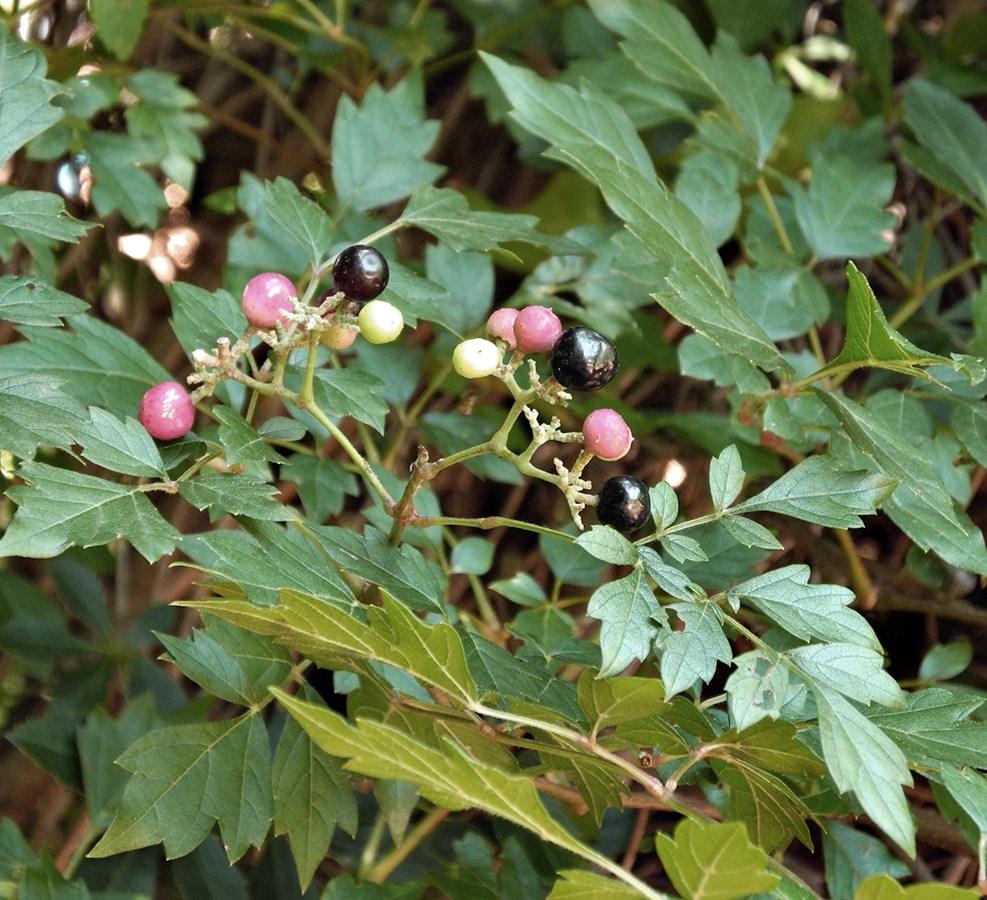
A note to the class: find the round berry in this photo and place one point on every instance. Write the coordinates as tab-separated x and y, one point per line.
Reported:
360	272
266	297
606	434
338	338
166	411
583	359
536	329
476	358
624	503
500	325
380	322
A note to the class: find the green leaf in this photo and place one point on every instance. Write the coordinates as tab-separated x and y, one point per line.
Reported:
951	131
165	122
312	795
41	213
854	671
230	493
871	341
807	611
690	654
758	687
594	136
345	392
25	94
186	779
119	182
969	789
629	614
714	861
302	220
29	301
615	701
708	183
750	533
579	884
669	579
936	726
770	745
818	490
868	35
119	24
34	411
379	146
862	759
726	478
400	571
445	213
229	662
854	856
609	545
472	556
122	446
883	887
200	317
782	296
945	661
58	509
240	440
323	484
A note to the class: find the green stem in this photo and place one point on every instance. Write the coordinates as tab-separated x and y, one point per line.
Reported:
774	215
385	867
306	396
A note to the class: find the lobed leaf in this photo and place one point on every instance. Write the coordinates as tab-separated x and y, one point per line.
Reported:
25	94
36	412
301	219
30	301
41	213
629	614
120	445
689	655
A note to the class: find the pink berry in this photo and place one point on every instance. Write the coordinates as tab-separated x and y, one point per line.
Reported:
166	411
266	297
500	325
606	434
536	329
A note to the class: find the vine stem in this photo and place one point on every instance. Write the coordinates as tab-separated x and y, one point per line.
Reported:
384	868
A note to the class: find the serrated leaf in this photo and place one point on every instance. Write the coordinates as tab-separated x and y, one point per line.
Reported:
854	671
188	778
597	781
591	133
871	341
669	579
630	615
312	796
609	545
302	219
750	533
807	611
119	24
323	484
240	440
714	861
229	662
29	301
935	727
579	884
58	509
862	759
231	493
41	213
345	392
853	856
615	701
379	146
757	687
690	654
120	445
884	887
664	505
34	411
968	788
445	213
726	478
200	317
25	94
400	571
119	183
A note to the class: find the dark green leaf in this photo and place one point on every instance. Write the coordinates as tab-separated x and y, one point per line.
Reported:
120	445
945	661
615	701
58	508
322	484
28	301
42	213
230	493
119	24
200	317
25	94
118	181
34	411
345	392
853	856
690	654
468	276
302	220
868	35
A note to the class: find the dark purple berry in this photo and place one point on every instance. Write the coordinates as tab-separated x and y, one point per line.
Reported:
583	359
360	272
624	503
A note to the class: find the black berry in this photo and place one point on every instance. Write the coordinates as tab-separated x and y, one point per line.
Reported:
624	503
360	272
583	359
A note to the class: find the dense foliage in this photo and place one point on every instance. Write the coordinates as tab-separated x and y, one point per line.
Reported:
352	626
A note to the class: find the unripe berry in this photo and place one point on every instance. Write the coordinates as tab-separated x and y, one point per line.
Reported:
266	297
536	329
624	503
380	322
360	272
500	325
476	358
166	411
606	434
338	338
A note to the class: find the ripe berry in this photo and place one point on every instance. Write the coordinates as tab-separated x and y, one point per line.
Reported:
536	329
166	411
476	358
583	359
606	434
500	325
266	297
338	338
380	322
360	272
624	503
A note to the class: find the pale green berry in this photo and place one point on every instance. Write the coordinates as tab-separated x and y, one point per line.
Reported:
476	358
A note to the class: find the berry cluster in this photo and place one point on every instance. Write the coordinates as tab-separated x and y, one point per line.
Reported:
581	359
